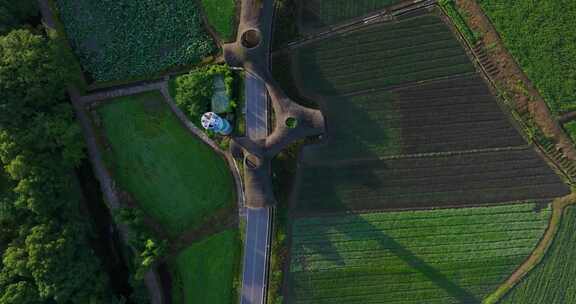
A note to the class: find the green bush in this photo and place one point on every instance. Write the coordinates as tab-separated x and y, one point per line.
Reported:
193	91
147	246
450	9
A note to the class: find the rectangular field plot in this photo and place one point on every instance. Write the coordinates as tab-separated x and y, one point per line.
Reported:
457	114
456	180
176	178
119	40
437	256
388	54
321	13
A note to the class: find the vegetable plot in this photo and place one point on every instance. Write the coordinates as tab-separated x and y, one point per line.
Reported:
437	256
118	40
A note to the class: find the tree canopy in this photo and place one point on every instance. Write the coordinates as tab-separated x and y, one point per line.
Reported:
44	252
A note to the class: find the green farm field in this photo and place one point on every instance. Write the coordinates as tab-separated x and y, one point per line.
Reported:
552	281
205	271
540	35
437	256
128	39
222	16
173	176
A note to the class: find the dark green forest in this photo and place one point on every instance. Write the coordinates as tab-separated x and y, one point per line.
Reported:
44	236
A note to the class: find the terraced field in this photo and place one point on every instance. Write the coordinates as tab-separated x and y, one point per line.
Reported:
439	256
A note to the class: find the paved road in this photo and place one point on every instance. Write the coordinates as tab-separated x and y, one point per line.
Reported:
256	107
256	248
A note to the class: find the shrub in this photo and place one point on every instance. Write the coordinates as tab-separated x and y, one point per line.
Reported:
193	91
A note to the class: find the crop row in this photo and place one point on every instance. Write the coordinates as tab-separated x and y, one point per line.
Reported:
421	261
330	52
402	183
552	280
321	13
453	215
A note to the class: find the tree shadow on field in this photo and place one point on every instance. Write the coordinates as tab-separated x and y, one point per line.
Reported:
324	168
364	230
357	130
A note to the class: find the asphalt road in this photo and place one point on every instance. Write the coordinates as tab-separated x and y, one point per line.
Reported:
256	107
256	251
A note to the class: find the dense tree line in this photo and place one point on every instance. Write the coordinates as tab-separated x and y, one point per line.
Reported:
44	252
16	13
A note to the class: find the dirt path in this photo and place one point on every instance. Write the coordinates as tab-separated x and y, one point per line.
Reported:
539	252
96	98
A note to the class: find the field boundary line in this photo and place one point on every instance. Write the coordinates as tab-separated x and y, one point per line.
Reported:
335	214
336	163
384	15
537	255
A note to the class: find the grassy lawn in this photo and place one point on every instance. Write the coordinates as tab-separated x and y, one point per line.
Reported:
174	177
552	281
540	35
437	256
126	39
222	16
205	271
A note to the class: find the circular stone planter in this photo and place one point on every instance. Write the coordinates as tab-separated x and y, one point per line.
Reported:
251	39
252	162
291	122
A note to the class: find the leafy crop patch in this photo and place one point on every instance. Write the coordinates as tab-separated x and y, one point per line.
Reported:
118	40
